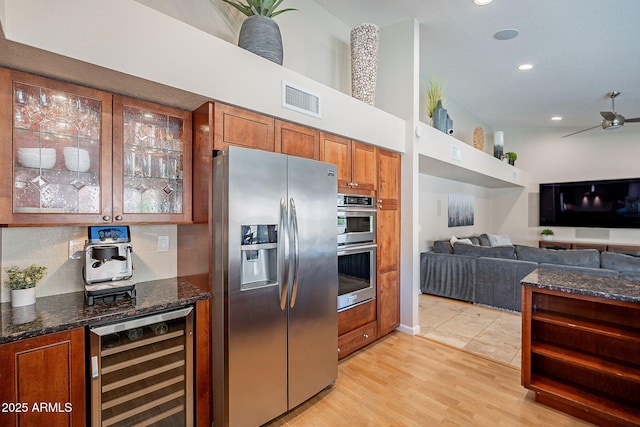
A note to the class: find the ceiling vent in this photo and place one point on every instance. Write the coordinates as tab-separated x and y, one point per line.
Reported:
301	100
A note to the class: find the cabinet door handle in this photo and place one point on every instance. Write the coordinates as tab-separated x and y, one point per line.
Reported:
366	336
118	218
354	184
106	218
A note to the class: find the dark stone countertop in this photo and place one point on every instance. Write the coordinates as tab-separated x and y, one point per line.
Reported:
584	284
67	311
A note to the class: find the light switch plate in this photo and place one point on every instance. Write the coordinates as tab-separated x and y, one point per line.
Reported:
163	244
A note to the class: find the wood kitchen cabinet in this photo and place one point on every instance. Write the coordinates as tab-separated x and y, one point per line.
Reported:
151	162
240	127
581	353
388	239
75	155
356	328
48	372
55	151
356	162
297	140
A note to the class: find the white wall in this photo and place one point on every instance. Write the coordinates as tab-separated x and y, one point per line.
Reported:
153	46
434	196
48	246
315	43
593	155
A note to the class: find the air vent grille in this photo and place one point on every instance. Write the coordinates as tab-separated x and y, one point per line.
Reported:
301	100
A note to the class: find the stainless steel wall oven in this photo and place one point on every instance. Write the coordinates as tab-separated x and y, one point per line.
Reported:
356	250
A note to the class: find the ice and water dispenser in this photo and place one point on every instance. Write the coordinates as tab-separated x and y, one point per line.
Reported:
259	256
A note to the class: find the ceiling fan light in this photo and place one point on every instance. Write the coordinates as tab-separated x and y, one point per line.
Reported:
482	2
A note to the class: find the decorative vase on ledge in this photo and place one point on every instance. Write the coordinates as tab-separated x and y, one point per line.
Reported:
364	62
440	118
261	35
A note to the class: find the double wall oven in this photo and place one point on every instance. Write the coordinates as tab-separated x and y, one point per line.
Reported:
356	250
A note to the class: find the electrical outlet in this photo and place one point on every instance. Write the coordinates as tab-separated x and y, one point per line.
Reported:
75	249
163	244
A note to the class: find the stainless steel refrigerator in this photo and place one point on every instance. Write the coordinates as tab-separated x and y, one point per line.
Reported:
274	284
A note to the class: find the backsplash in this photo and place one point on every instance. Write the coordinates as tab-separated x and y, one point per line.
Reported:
49	246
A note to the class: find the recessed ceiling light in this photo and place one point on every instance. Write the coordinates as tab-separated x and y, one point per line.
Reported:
482	2
506	34
525	67
556	118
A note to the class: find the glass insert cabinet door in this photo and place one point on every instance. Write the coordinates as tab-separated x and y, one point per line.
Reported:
58	132
152	146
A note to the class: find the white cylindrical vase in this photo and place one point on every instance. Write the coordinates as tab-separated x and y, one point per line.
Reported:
498	144
364	62
22	297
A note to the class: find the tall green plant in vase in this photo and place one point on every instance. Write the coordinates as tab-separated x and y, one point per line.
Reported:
259	33
435	92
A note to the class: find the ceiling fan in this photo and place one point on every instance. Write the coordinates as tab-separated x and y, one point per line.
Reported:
610	119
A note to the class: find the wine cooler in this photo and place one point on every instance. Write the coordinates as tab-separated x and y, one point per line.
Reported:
142	371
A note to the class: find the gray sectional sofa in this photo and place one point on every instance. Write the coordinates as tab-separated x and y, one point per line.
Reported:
491	275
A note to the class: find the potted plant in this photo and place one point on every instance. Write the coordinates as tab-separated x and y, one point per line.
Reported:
259	33
547	234
512	157
22	283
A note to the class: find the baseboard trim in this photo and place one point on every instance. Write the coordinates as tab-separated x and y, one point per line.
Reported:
410	330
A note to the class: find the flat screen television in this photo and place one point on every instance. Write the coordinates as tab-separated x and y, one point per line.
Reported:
613	203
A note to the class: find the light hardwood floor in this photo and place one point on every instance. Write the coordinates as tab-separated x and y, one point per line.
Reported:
404	380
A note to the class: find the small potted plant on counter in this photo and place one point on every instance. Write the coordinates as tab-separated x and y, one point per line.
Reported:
22	283
547	234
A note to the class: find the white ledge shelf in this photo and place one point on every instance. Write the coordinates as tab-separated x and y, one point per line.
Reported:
444	156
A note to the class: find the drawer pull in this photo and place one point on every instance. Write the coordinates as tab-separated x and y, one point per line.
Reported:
366	336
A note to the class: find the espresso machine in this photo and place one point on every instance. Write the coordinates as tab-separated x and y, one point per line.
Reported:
108	264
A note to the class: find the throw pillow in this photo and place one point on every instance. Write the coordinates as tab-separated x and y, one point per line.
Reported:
498	240
455	240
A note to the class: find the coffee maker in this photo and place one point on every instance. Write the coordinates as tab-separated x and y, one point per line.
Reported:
108	264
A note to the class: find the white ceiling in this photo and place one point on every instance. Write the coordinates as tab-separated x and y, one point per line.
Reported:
580	49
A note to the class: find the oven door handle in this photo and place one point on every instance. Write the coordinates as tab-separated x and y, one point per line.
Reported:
344	250
342	209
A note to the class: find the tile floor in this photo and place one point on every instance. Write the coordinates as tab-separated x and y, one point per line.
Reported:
491	333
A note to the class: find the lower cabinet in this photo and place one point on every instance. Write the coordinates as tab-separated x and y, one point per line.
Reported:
580	355
43	381
358	338
356	328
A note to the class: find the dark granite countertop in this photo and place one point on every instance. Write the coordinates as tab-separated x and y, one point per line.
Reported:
584	284
67	311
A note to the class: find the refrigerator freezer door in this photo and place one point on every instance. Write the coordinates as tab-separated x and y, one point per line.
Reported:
257	326
313	320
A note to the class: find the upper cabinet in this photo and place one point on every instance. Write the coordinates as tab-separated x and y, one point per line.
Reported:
63	156
356	162
151	162
388	178
297	140
236	126
55	151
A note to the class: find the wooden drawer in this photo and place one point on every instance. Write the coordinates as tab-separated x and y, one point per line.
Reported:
356	339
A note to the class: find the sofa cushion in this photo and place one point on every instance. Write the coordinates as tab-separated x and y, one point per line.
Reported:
578	257
602	272
442	247
620	262
498	240
484	239
490	252
630	275
461	240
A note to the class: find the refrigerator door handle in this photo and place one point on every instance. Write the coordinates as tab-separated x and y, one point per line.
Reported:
296	251
283	254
